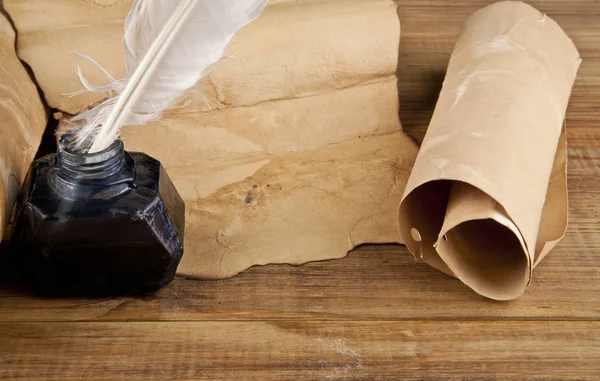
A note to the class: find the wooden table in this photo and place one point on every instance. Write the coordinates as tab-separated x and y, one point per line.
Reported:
373	315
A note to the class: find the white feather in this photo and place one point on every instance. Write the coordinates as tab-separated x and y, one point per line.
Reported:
169	44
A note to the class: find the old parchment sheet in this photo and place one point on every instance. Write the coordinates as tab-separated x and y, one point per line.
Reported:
487	197
23	119
289	151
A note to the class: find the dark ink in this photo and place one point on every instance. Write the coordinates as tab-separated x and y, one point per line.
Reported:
106	223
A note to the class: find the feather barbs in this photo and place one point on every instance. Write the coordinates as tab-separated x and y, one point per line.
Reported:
168	47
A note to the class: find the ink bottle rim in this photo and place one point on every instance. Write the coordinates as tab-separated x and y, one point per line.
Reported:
81	166
78	174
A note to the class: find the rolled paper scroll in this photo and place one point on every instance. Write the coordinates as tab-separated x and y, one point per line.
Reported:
23	121
487	199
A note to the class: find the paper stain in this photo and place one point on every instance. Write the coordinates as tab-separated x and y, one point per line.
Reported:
234	227
543	19
196	185
440	164
499	42
435	141
482	75
474	174
460	91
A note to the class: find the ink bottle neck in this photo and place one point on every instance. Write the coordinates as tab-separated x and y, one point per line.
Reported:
98	175
78	166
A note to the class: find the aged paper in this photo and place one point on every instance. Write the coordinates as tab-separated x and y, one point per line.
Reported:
295	207
289	151
487	197
23	121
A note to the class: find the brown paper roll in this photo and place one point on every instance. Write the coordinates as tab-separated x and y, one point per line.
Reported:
23	121
486	199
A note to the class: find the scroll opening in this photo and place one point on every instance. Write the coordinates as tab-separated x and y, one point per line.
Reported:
488	257
421	217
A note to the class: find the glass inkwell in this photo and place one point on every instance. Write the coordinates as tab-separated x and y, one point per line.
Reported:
105	223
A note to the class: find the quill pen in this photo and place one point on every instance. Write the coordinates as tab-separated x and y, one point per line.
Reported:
168	46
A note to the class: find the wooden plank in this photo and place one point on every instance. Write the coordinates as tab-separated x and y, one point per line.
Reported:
300	351
375	282
384	283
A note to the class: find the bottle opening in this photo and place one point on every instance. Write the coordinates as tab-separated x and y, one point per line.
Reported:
78	165
75	174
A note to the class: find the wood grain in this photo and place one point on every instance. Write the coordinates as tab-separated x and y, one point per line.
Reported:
301	351
374	315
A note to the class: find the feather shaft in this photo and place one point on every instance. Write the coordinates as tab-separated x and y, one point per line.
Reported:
142	75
